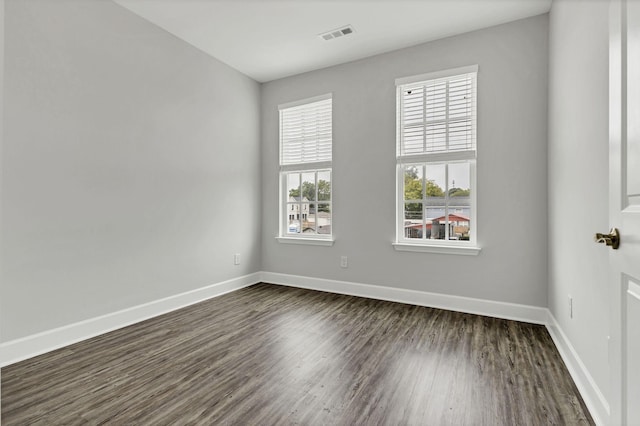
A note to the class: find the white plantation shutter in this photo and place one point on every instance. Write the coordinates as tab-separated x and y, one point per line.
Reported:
437	115
305	133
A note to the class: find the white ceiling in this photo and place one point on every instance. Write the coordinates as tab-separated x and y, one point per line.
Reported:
271	39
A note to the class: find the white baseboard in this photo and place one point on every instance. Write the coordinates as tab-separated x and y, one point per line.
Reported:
512	311
591	394
37	344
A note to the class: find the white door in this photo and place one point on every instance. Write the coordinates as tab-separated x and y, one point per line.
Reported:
624	204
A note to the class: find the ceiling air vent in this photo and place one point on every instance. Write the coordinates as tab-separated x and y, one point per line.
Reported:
339	32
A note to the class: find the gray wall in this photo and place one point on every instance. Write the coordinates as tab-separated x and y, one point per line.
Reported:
1	130
578	178
130	167
512	165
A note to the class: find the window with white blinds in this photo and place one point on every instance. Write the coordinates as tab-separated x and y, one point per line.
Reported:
436	162
437	115
305	171
306	132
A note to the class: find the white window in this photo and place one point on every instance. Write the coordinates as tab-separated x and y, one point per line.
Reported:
436	162
305	171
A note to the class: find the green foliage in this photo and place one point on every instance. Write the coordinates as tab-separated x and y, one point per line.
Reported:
413	186
309	191
459	192
433	190
413	191
324	190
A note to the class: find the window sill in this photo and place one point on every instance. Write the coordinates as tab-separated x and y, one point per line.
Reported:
440	249
306	241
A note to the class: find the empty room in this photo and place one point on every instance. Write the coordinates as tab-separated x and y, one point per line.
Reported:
320	212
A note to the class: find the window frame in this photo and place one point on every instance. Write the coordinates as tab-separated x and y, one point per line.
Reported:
423	159
302	167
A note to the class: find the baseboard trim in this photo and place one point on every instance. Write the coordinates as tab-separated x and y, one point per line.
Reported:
20	349
591	394
512	311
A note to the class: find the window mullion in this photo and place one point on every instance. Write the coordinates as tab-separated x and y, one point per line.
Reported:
446	201
306	167
424	204
299	218
315	211
299	215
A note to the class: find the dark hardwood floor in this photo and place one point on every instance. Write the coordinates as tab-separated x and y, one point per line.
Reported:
269	355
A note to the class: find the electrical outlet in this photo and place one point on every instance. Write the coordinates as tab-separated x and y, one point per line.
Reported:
570	306
236	259
344	262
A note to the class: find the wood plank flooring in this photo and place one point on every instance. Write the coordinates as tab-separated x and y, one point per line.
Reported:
268	355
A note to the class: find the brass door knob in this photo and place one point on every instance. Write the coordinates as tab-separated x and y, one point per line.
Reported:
611	239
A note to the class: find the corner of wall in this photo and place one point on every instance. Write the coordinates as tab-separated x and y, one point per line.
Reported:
1	140
589	390
578	118
49	340
119	203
